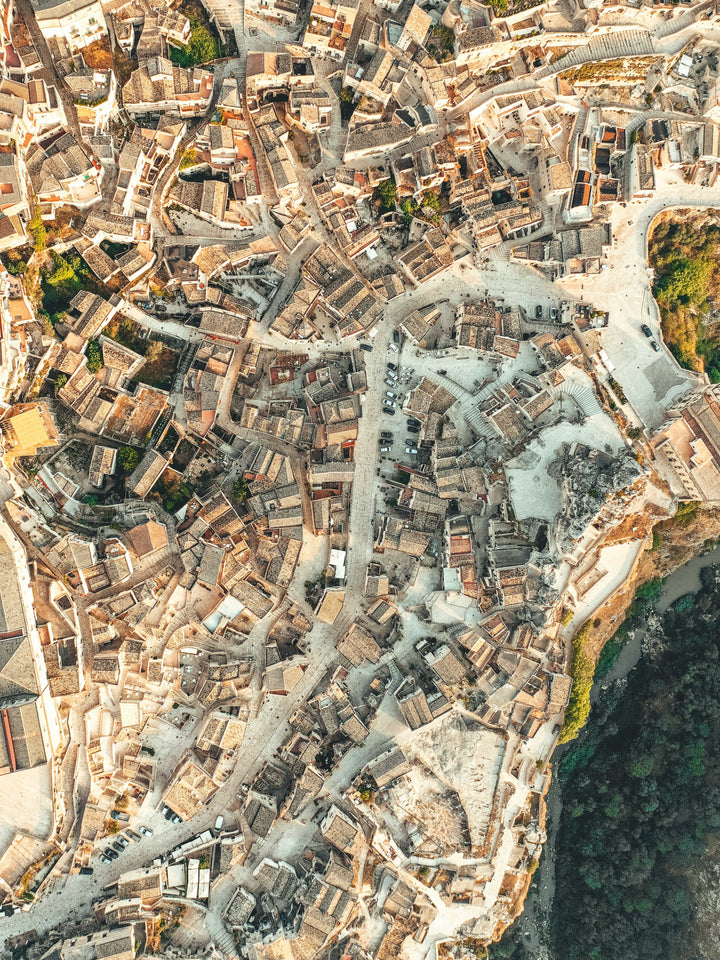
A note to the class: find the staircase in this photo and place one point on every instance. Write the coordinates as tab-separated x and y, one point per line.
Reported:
583	396
613	46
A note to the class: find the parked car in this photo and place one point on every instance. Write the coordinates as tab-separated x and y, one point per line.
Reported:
132	835
388	382
388	410
412	450
393	347
553	313
392	375
392	366
655	346
124	841
538	312
109	852
176	818
366	346
86	871
413	429
219	823
646	330
384	449
388	403
145	831
396	336
118	846
105	859
390	394
386	435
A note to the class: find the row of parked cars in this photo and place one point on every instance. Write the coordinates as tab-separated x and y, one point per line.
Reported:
649	334
120	843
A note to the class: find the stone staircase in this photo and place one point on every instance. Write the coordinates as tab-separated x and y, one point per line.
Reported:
577	131
583	396
614	46
675	24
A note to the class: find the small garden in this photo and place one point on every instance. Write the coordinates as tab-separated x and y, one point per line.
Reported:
204	44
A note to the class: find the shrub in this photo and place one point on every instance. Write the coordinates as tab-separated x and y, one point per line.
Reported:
37	230
386	193
127	459
94	356
650	590
582	671
240	490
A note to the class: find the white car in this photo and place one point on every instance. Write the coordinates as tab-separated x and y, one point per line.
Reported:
394	347
388	403
412	450
390	394
384	449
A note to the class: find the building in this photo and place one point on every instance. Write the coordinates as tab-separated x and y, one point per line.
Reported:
159	87
29	730
70	25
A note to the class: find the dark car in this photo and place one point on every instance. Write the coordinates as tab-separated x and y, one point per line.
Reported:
86	871
538	312
386	435
646	330
109	852
396	337
118	846
413	429
392	366
366	346
654	345
388	410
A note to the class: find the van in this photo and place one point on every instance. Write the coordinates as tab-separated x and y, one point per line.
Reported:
218	823
393	347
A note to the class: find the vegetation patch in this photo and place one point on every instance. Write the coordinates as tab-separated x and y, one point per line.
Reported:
160	366
686	260
62	280
204	44
172	491
582	671
641	802
385	194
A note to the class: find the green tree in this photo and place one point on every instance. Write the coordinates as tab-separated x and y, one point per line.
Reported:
686	282
94	356
62	271
386	193
60	381
650	590
37	230
154	351
189	159
127	459
17	267
240	490
201	48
